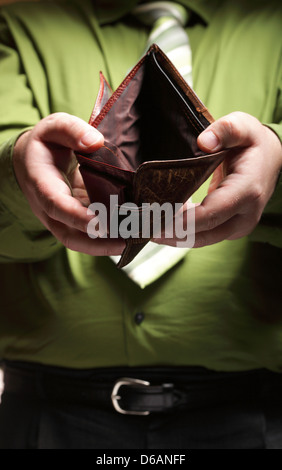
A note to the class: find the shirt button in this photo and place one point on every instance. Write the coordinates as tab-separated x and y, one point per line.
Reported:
139	318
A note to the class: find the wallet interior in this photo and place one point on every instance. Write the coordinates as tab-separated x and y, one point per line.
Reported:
149	118
150	125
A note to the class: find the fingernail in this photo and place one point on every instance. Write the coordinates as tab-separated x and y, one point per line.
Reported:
91	137
209	140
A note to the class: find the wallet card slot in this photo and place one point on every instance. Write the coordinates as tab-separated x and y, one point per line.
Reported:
109	154
167	128
106	169
184	101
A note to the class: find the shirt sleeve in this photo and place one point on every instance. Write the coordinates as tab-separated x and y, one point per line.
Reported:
269	230
22	236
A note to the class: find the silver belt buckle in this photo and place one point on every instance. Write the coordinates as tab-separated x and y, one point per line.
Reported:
115	396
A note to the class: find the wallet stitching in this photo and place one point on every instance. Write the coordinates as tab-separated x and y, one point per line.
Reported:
103	85
98	103
199	106
118	93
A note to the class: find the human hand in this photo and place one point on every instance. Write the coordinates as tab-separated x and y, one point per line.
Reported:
47	173
242	185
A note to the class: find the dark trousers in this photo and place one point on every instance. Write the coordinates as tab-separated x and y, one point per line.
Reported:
250	422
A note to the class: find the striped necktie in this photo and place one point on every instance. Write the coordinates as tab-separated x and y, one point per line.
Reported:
167	20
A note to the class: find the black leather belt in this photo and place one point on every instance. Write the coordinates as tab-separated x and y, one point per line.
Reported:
126	395
134	396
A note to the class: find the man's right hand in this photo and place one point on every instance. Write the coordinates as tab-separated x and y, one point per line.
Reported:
48	175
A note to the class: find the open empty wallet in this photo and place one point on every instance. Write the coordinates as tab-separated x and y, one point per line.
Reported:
150	155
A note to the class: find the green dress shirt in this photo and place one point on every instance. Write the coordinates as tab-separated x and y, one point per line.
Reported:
221	306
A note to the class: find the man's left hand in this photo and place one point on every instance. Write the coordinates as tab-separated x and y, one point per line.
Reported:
242	186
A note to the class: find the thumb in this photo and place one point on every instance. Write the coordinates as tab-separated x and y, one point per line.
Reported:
68	131
234	130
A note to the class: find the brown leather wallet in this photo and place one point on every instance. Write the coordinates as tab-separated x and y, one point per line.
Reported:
150	155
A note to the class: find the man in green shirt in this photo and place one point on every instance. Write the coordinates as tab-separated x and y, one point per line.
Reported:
216	312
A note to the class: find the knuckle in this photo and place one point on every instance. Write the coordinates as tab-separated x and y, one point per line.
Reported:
59	122
57	117
256	193
234	204
212	220
255	202
231	126
40	190
50	207
238	115
71	127
66	129
51	121
76	223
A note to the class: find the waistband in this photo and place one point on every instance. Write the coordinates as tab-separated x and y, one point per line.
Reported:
142	390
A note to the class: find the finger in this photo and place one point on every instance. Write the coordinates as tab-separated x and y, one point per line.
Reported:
68	131
82	196
237	227
78	188
77	241
234	196
68	211
234	130
76	180
54	197
181	232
